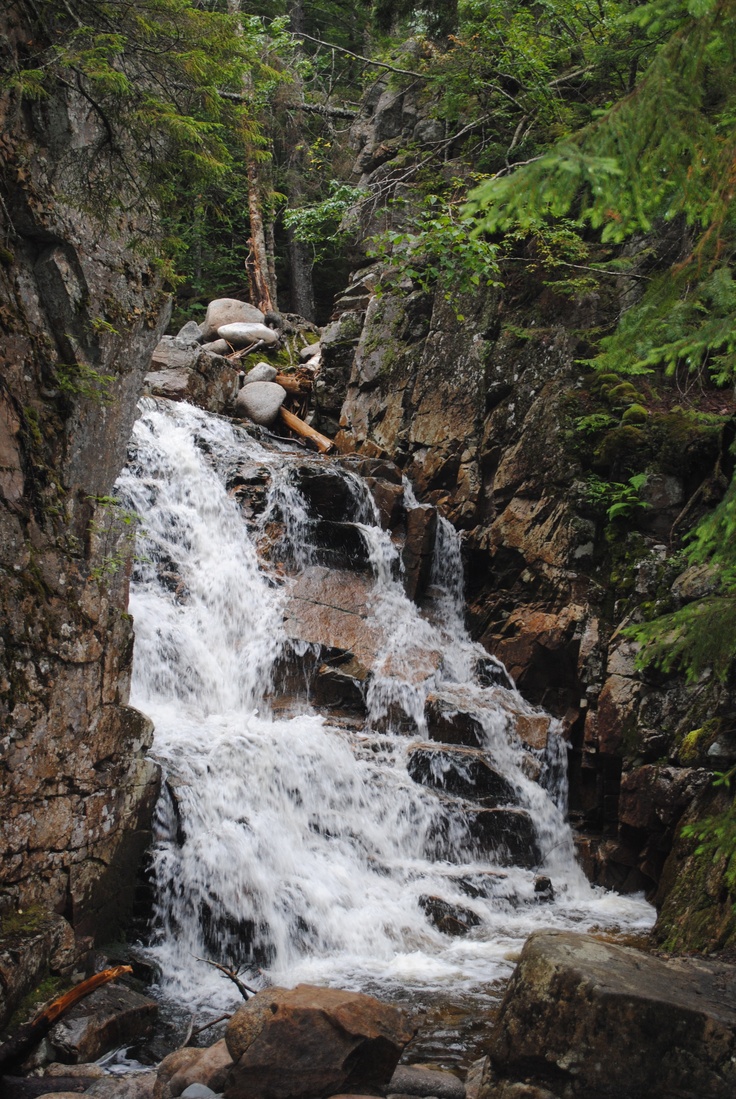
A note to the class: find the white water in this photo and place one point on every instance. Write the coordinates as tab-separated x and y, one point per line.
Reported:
310	842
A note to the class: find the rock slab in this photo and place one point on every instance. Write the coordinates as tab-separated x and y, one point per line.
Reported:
591	1019
311	1042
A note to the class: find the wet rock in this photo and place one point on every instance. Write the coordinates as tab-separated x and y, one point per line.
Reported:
337	688
532	729
450	919
332	608
329	495
573	999
228	311
187	1066
242	335
308	1041
261	372
110	1017
418	551
462	771
340	545
507	835
389	499
418	1080
449	725
260	402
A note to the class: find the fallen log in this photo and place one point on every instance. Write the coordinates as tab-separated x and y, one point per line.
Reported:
323	444
293	384
16	1049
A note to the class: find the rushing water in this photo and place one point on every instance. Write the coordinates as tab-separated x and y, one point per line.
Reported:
294	845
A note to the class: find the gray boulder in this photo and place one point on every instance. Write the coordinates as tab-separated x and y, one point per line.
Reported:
241	334
189	336
261	372
260	402
228	311
595	1020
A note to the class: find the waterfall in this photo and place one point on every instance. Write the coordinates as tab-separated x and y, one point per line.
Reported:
312	845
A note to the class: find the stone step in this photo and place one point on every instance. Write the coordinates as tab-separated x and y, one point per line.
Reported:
506	835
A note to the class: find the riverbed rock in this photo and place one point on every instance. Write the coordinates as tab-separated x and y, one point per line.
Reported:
228	311
260	402
597	1020
241	335
111	1016
307	1041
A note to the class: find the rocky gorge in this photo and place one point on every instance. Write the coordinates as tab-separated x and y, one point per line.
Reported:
475	414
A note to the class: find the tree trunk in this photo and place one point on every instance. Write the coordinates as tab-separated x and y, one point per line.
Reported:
258	262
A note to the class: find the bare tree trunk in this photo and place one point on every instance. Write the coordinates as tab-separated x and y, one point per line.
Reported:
302	287
258	262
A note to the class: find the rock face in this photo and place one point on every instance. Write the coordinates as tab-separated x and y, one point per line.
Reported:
311	1042
80	315
573	1000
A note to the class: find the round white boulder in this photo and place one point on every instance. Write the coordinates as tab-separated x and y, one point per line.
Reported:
240	335
228	311
260	402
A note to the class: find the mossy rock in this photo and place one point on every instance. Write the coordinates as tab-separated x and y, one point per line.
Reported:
605	382
684	445
623	394
623	451
635	414
693	748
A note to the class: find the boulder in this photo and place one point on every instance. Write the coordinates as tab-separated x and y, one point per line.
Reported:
591	1019
462	771
260	402
240	335
261	372
308	1042
419	1080
309	352
228	311
187	1066
109	1017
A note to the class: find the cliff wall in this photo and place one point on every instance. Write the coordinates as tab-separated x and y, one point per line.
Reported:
80	312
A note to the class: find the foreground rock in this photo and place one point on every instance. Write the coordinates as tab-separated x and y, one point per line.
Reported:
108	1018
308	1041
590	1019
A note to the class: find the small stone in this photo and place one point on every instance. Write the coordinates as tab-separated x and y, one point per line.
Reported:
229	311
261	372
217	347
309	352
197	1091
418	1080
260	402
240	335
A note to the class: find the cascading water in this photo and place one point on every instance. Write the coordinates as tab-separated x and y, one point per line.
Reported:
313	848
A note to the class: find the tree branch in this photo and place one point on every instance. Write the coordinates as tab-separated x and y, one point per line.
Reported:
367	60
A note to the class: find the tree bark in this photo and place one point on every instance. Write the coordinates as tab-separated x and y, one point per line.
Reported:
258	262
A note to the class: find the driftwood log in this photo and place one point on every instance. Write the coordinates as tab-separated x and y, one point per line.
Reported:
299	427
16	1049
295	385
